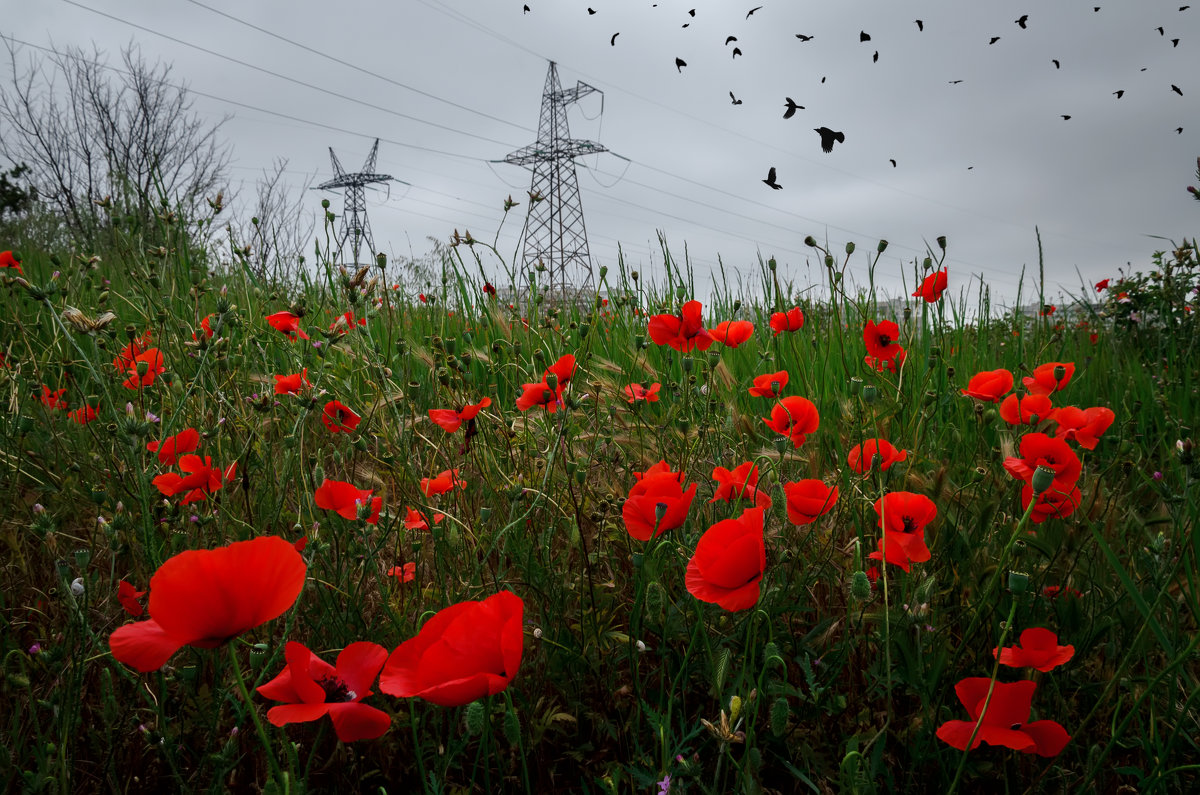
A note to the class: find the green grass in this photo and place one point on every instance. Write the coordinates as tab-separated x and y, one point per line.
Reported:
838	693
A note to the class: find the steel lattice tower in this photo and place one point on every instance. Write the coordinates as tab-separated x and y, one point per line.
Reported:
355	228
554	234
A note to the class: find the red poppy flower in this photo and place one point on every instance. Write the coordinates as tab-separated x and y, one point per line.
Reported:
55	399
661	468
206	327
874	452
205	597
540	394
683	332
644	518
1023	409
1004	720
421	297
169	449
791	320
794	417
808	499
128	356
636	392
8	260
1083	426
405	573
344	322
1056	591
564	368
1038	648
727	566
903	516
346	500
465	652
1048	310
451	420
288	324
932	288
128	596
741	483
415	520
732	333
881	340
312	688
769	385
83	415
444	482
1038	449
1042	382
1052	503
153	359
989	386
339	418
1102	285
202	478
292	384
489	290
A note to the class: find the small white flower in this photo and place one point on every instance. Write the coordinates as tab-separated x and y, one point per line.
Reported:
77	586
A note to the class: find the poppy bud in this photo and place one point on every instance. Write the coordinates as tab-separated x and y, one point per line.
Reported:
473	718
810	242
860	586
318	475
603	271
828	260
512	728
779	716
687	364
780	444
883	244
1043	478
685	425
450	345
771	264
103	297
584	328
856	385
869	393
1060	372
941	241
443	376
735	709
552	381
849	248
633	275
1018	582
82	557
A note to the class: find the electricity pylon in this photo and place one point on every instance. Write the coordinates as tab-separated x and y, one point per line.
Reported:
554	234
355	228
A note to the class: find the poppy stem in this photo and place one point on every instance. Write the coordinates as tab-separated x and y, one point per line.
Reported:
1000	564
263	737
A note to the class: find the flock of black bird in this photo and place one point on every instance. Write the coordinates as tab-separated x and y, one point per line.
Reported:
828	136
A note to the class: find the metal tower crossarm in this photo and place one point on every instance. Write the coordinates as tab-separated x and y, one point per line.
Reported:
355	228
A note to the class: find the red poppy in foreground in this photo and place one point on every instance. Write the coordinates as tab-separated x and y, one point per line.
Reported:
563	369
138	376
312	688
791	320
465	652
169	449
741	483
1038	449
1043	381
203	598
540	394
661	468
202	479
727	567
128	596
874	452
881	339
903	516
444	482
808	499
1083	426
339	418
683	332
8	260
55	399
636	392
83	415
1053	502
1004	721
451	420
732	333
1025	409
989	386
347	500
136	347
288	324
292	384
794	417
656	503
769	385
932	288
1038	648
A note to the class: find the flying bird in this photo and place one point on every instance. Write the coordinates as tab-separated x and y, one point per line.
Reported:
770	180
1022	20
1175	88
731	38
1066	117
1057	65
822	80
828	136
1174	42
955	82
1179	131
737	51
1184	8
613	40
679	64
751	11
994	40
893	162
875	57
526	9
591	11
736	101
920	24
863	36
692	13
792	107
802	37
1160	31
1119	94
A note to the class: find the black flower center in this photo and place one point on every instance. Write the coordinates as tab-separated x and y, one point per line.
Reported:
910	525
1015	727
336	691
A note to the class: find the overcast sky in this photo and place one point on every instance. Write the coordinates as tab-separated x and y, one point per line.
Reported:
452	84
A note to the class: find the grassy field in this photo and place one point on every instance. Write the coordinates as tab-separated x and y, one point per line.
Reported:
566	583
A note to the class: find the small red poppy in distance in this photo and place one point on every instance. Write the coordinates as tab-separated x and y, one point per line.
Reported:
206	327
1053	502
169	449
881	339
288	324
405	573
1004	719
1043	382
344	322
636	392
203	598
740	484
874	452
791	320
444	482
727	566
465	652
683	332
769	385
932	288
83	415
292	384
794	417
732	333
451	420
808	499
55	399
202	479
903	516
1102	285
153	359
1025	409
339	418
643	516
347	500
1048	310
415	520
989	385
1038	648
1083	426
128	596
1038	449
312	688
8	260
128	355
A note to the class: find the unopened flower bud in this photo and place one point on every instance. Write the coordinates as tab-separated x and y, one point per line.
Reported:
1043	478
1060	372
1018	582
856	385
552	381
941	241
810	242
771	264
883	244
870	393
860	586
688	362
850	248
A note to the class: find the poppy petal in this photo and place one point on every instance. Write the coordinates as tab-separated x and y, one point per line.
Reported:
144	646
353	721
284	714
